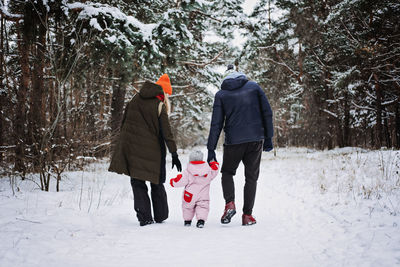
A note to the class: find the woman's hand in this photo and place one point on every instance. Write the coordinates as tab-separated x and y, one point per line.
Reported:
176	162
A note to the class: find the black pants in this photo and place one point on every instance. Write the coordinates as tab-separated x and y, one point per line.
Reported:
142	201
250	154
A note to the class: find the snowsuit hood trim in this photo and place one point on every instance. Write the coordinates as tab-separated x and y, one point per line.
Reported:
197	162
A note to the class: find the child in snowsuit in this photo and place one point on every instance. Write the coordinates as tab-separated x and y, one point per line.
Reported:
196	179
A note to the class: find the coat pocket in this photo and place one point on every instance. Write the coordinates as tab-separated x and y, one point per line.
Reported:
187	196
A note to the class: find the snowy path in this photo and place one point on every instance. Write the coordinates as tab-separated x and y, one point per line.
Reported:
297	225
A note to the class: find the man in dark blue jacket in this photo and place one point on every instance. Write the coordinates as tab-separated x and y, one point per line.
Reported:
242	109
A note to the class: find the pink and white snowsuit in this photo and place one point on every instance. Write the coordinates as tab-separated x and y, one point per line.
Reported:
196	197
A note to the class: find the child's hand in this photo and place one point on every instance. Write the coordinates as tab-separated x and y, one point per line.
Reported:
214	165
175	180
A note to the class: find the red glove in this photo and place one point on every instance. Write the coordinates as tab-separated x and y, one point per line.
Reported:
175	180
214	165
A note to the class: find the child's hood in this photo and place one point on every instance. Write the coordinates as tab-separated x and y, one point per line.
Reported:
198	168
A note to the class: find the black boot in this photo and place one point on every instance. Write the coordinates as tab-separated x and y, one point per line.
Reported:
188	223
143	223
200	224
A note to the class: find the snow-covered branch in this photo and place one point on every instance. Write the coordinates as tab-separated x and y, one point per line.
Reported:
202	65
294	73
330	113
361	107
7	15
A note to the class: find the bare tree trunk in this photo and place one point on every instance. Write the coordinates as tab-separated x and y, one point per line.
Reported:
117	106
329	120
379	135
397	109
90	121
2	86
20	116
388	139
269	14
300	62
339	133
37	109
346	126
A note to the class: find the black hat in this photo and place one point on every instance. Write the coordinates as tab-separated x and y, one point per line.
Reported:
230	67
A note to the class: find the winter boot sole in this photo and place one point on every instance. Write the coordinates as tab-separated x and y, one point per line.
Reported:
249	223
227	218
144	223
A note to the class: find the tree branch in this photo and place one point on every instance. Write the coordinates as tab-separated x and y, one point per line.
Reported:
8	16
202	65
206	15
294	73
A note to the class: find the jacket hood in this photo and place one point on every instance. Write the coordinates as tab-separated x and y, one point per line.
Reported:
198	168
150	90
234	80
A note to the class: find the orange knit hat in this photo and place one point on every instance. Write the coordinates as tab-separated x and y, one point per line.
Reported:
165	83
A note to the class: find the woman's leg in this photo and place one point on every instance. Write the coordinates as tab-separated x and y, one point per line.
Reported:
141	200
160	203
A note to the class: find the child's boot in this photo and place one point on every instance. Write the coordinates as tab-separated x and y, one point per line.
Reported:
200	224
188	223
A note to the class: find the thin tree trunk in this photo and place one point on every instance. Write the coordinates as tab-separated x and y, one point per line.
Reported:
388	139
346	126
65	114
379	135
117	106
329	120
397	108
269	15
20	116
36	118
300	62
339	133
2	86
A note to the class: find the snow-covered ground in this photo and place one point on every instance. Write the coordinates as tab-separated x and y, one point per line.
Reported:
313	208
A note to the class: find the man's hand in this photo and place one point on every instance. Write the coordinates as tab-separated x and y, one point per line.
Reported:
211	156
267	146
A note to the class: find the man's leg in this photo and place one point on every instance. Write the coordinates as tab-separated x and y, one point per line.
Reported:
232	157
233	154
160	203
141	200
251	161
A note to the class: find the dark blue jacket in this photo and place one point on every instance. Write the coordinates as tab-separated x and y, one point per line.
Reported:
243	110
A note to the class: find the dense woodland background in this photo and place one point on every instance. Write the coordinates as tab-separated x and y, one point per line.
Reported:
330	68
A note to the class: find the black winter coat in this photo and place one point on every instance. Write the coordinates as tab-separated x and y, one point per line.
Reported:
140	149
243	110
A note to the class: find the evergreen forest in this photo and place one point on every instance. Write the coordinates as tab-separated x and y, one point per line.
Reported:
330	69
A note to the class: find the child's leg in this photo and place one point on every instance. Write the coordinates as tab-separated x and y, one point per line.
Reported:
187	212
202	209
